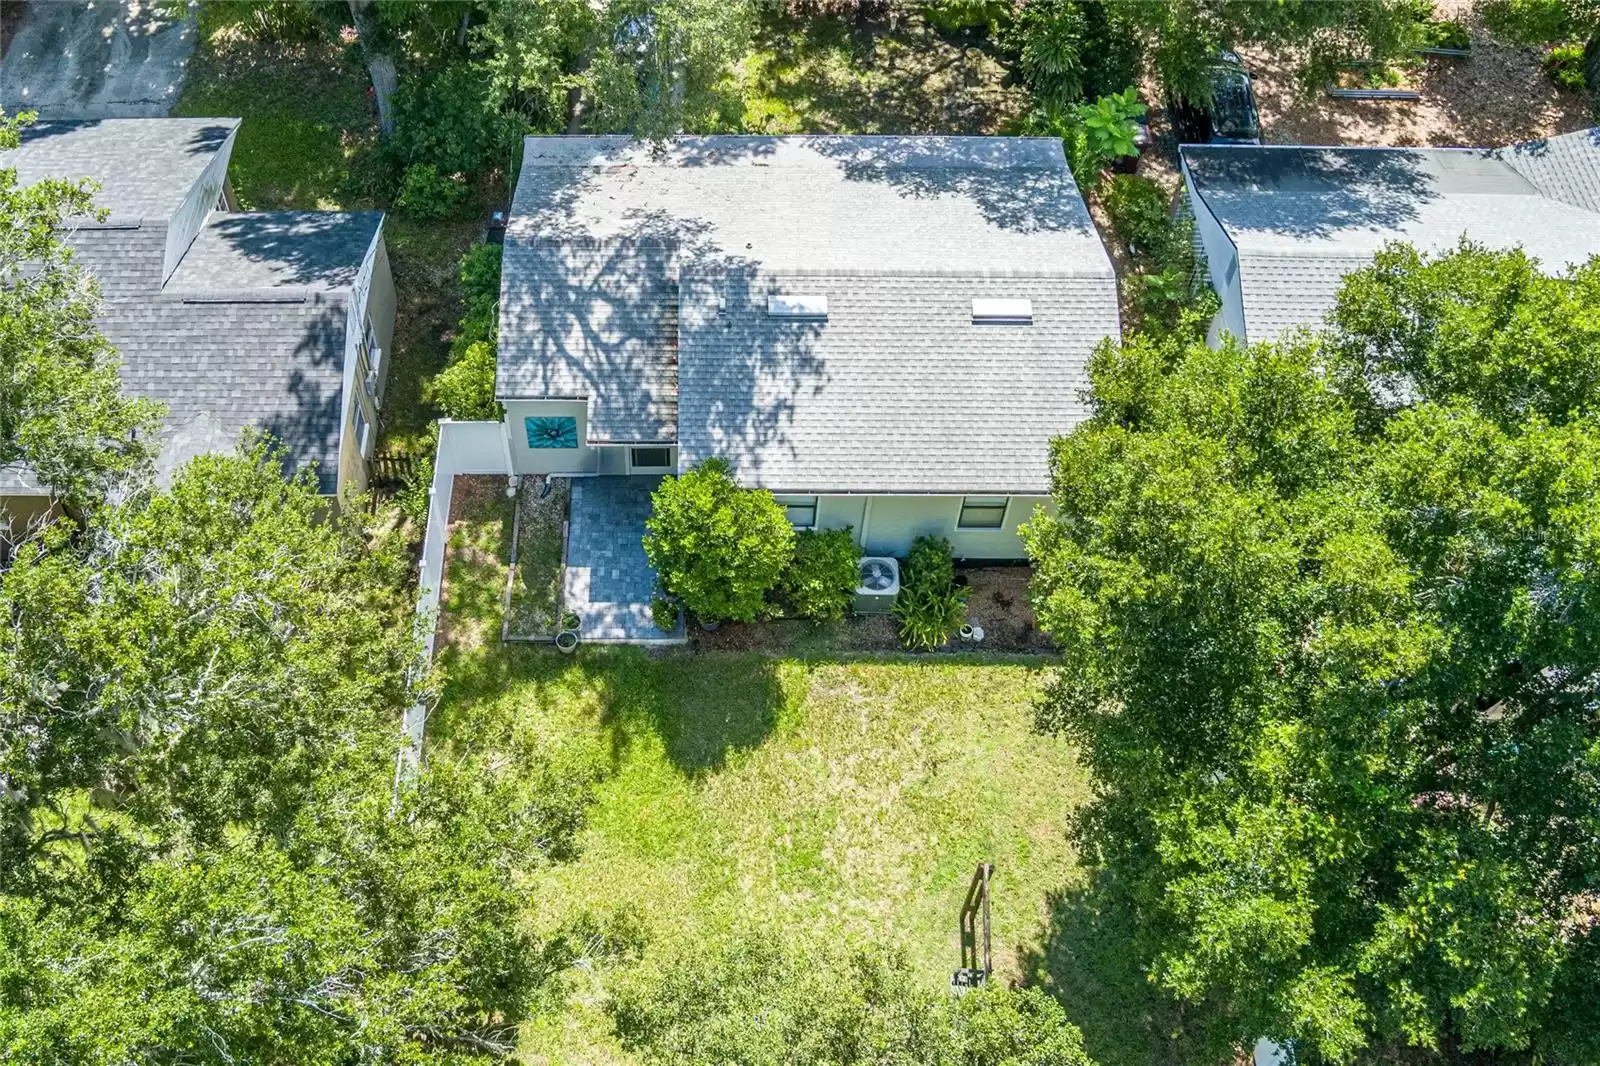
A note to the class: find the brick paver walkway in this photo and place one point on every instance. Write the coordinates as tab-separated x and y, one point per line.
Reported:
608	580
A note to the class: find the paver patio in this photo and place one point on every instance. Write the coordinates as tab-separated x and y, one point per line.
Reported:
609	582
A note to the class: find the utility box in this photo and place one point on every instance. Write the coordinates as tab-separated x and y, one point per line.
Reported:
878	584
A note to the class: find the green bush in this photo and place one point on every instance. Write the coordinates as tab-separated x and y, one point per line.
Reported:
448	121
1564	66
821	578
664	613
1140	216
427	194
1531	21
480	298
1067	51
464	389
930	608
717	548
1445	33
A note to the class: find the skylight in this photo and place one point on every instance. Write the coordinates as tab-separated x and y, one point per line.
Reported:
1001	311
798	308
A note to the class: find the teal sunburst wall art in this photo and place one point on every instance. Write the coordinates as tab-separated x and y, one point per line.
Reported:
551	432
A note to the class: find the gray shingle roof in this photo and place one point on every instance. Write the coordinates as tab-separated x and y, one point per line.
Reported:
1565	168
898	391
145	166
1301	218
901	231
319	251
222	361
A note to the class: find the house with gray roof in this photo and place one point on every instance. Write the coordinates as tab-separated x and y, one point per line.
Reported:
276	321
1282	225
885	332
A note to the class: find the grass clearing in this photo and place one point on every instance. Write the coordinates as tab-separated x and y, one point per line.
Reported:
541	544
846	801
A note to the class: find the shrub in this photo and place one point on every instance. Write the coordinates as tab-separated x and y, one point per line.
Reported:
1530	21
1140	216
448	122
930	607
465	388
1108	125
1445	33
480	296
427	194
821	578
1563	64
1066	50
664	613
717	548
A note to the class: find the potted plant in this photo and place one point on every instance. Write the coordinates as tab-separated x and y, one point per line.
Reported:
567	641
569	621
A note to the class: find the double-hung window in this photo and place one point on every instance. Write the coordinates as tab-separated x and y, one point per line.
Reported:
982	512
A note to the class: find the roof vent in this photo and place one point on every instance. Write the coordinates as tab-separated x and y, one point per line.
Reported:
993	311
798	308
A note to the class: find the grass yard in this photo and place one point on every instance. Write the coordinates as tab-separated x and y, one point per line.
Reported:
846	801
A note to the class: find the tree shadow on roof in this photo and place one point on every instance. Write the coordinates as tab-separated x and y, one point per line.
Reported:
316	249
307	418
1317	192
603	320
1018	184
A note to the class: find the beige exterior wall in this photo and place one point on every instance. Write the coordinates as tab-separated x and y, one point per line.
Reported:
372	298
886	525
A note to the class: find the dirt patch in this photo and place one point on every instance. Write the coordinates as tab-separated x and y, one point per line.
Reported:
541	545
1497	96
998	602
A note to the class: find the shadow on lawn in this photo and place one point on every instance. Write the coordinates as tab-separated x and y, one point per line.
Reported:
1086	960
701	710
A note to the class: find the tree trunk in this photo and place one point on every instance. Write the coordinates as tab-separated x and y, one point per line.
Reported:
1591	64
380	64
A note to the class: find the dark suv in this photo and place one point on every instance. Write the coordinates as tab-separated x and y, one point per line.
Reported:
1230	117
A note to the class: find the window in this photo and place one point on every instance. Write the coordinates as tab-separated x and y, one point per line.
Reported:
801	510
650	458
992	311
982	512
363	431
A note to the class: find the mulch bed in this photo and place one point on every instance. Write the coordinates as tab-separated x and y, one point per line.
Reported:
998	602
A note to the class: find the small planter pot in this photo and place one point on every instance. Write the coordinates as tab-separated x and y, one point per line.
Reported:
567	641
710	627
966	632
569	622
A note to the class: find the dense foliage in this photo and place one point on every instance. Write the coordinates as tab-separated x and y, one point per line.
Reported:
61	409
717	548
821	579
760	1003
930	607
205	854
1327	609
464	389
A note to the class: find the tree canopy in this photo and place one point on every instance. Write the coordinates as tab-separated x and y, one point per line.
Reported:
205	854
61	408
1328	613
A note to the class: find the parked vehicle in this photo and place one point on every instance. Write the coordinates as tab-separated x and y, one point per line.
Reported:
1229	117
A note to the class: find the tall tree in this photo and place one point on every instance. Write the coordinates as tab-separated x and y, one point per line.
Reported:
204	856
1328	615
61	407
647	68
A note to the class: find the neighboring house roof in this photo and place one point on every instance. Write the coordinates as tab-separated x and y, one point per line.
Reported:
144	166
1565	167
18	479
637	279
310	251
249	330
1301	218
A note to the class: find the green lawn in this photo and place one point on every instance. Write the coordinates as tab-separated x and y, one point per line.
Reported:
846	801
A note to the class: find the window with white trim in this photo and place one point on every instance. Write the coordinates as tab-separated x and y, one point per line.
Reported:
983	512
801	510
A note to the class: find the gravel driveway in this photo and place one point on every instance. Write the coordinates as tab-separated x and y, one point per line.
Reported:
97	58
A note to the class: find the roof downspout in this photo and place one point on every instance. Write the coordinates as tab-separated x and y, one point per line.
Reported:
512	479
866	523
